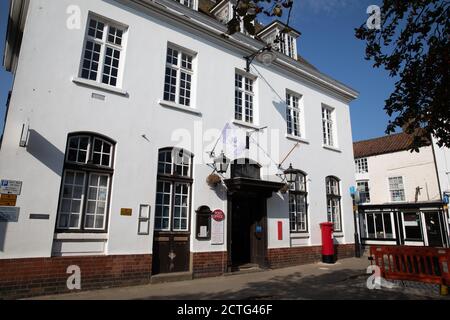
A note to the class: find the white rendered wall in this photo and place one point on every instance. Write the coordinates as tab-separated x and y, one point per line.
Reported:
417	170
45	97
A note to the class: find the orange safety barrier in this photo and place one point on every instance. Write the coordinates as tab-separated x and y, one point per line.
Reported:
422	264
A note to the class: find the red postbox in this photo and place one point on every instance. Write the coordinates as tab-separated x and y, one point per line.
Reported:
327	242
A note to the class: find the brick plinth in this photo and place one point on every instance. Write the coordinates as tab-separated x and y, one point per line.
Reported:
209	264
21	278
286	257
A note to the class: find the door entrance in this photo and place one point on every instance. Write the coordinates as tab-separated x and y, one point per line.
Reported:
434	229
248	231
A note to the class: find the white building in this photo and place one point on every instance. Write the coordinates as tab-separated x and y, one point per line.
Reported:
115	109
400	193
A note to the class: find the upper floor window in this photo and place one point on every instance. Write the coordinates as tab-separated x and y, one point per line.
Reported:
244	98
173	190
298	206
103	52
361	165
334	203
364	191
86	183
328	126
179	74
293	114
397	189
189	3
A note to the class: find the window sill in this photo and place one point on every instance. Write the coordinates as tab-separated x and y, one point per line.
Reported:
338	235
81	236
246	124
179	107
332	148
295	138
300	235
100	86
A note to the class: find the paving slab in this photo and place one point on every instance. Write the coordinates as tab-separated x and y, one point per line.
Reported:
344	280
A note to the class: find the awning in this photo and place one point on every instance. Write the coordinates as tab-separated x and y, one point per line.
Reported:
245	185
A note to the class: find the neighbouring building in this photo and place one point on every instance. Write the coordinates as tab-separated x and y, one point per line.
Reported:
115	111
400	192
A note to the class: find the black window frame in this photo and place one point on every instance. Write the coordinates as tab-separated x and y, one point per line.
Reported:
333	196
173	179
87	168
293	192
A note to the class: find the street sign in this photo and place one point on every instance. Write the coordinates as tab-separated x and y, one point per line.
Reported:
446	198
10	187
9	214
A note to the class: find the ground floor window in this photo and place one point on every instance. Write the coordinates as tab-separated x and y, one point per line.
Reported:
412	226
86	183
377	225
297	212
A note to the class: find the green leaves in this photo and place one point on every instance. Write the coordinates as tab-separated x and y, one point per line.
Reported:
246	11
413	44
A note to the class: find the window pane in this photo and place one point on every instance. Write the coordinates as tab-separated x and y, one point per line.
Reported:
98	193
388	225
162	208
412	226
111	69
91	61
71	200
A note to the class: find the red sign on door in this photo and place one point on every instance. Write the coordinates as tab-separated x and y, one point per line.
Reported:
218	215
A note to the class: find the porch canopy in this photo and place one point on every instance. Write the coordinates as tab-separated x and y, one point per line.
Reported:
263	188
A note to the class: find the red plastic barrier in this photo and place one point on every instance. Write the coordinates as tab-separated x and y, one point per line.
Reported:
423	264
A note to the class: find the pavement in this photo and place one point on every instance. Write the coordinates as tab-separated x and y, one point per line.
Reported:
344	280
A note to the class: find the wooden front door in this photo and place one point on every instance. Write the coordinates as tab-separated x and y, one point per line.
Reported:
171	244
248	230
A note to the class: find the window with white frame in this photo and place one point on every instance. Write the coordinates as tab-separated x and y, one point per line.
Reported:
173	190
189	3
364	191
178	77
361	165
334	203
293	114
377	225
328	126
88	170
298	206
397	189
244	98
103	51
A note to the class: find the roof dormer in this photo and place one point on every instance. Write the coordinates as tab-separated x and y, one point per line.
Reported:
282	37
193	4
223	11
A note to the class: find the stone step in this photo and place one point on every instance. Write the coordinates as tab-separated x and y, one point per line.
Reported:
171	277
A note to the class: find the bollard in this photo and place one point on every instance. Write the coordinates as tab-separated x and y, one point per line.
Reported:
444	290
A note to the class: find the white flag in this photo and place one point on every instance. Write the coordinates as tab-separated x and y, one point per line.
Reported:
234	140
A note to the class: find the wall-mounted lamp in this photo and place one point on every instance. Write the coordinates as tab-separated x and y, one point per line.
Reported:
24	136
291	174
265	55
221	163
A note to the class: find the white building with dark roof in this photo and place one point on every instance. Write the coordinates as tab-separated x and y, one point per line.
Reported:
114	114
400	192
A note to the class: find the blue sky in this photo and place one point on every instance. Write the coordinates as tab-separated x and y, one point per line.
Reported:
328	42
